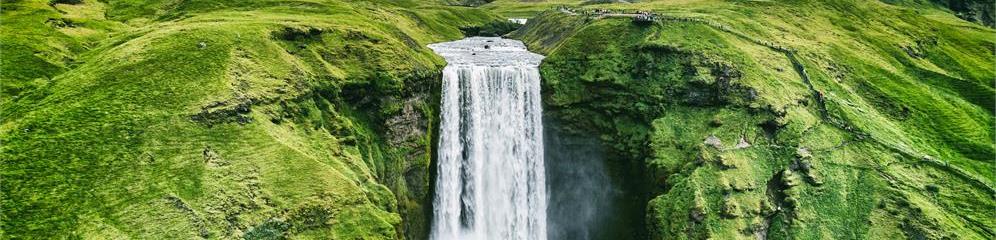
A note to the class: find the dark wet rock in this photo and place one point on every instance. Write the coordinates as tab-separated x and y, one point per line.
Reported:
803	165
408	125
219	112
70	2
716	122
269	229
299	34
61	22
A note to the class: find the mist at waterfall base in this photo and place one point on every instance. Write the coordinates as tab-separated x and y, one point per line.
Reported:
583	202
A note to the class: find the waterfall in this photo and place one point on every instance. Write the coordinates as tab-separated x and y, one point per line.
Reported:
491	181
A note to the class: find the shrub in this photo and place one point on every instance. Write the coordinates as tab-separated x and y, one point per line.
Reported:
491	29
71	2
298	34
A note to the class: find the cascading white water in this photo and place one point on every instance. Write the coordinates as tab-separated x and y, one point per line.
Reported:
491	181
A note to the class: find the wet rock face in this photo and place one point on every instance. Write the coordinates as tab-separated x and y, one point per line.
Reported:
236	110
409	124
407	131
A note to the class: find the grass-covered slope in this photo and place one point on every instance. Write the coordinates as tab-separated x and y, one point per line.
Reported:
785	119
219	119
313	118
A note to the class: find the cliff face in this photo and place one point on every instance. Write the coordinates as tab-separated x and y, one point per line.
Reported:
802	120
979	11
220	119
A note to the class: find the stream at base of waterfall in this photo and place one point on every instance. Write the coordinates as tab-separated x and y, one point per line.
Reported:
490	181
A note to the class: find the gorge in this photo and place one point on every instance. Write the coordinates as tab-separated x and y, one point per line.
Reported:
505	171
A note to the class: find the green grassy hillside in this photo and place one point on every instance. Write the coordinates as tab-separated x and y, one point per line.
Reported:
219	119
315	119
784	119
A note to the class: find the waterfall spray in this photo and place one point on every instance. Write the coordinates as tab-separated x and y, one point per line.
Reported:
491	181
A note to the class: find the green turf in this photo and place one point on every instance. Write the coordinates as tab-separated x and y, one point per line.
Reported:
219	119
901	145
273	119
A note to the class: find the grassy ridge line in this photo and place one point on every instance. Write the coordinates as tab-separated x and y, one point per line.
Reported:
222	121
809	189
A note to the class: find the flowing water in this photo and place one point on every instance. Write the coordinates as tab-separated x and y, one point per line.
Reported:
491	181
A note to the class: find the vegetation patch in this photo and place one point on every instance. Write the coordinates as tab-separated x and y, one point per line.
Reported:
491	29
744	127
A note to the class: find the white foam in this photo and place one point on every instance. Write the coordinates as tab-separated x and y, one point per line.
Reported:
491	181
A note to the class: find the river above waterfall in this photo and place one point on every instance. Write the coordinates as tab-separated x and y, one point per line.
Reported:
487	52
491	181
